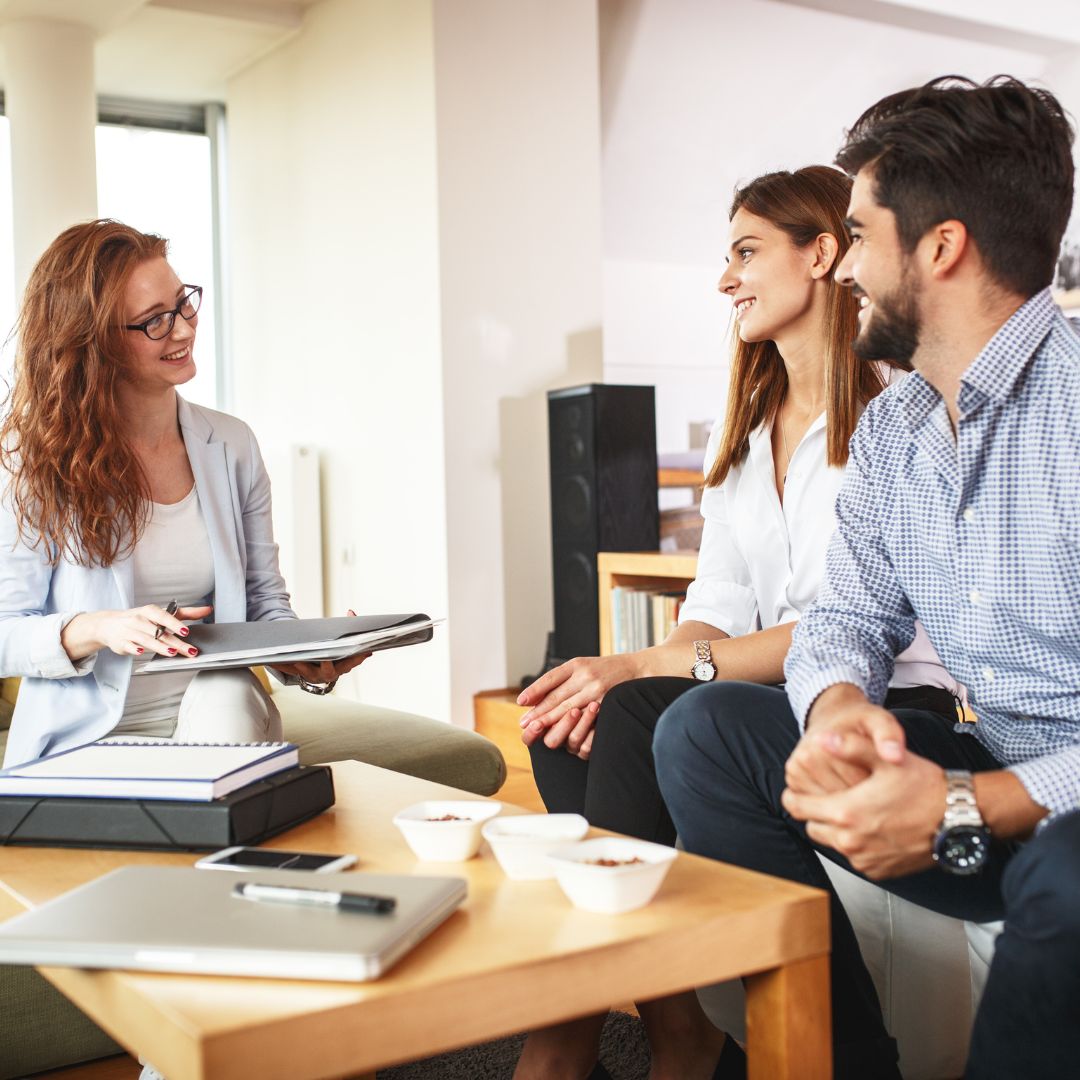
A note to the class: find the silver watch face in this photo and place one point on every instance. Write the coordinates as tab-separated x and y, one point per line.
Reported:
703	671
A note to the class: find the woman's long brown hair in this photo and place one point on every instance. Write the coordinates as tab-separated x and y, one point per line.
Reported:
75	484
804	204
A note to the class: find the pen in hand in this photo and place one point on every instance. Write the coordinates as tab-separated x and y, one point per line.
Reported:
170	609
326	898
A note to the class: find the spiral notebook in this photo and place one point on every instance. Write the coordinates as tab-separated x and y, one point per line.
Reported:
149	769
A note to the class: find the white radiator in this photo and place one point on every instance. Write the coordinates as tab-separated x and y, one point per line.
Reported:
294	477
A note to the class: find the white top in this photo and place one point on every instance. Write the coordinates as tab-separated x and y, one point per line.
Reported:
761	562
172	561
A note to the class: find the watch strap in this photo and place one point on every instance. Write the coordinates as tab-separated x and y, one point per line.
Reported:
961	807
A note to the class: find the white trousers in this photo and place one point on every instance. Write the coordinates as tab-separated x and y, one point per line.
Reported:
227	706
217	706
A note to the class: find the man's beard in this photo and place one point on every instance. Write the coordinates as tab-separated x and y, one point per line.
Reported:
892	332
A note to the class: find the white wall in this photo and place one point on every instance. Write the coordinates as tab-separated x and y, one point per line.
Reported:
427	174
697	97
335	282
519	214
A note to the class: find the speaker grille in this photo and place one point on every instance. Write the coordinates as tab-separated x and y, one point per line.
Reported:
602	445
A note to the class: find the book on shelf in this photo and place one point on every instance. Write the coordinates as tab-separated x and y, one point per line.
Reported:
280	641
642	615
149	769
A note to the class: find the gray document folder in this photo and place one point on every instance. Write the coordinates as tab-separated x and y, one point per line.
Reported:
178	919
230	645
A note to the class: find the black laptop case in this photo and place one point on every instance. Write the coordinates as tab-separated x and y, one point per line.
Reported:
247	816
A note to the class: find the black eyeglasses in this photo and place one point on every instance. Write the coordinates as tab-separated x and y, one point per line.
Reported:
160	326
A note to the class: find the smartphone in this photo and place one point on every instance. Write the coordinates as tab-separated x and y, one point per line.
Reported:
253	858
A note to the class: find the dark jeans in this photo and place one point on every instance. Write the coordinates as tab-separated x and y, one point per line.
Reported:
720	752
617	788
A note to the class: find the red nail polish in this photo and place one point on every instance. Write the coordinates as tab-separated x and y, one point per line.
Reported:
192	652
139	649
172	652
183	631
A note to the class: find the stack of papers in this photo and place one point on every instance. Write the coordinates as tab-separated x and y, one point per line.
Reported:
233	645
149	769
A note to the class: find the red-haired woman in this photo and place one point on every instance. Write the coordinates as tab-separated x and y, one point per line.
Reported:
775	465
119	497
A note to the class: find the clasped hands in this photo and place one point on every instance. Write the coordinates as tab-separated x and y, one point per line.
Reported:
566	699
860	790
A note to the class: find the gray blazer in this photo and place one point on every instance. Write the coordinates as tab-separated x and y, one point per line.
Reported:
61	704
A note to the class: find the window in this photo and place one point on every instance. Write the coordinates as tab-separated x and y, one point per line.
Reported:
161	182
8	309
157	171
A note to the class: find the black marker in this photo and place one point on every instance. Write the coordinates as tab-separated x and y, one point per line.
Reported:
292	894
170	609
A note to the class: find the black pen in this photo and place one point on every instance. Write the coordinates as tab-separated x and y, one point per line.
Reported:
170	609
294	894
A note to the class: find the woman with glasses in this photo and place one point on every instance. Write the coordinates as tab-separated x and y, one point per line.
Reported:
127	511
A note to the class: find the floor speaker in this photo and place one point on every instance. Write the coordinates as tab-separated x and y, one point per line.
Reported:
602	443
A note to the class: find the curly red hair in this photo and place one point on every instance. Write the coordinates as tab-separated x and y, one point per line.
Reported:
75	485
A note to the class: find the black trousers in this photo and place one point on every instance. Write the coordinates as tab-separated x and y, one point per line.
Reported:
617	787
720	752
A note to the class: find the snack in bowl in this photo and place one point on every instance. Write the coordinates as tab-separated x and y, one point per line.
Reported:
611	874
521	842
445	830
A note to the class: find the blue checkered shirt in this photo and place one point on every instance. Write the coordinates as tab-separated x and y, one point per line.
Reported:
979	537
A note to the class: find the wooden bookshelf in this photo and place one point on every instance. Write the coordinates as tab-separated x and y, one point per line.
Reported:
652	569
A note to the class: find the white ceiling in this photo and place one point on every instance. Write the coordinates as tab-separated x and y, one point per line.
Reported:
170	50
1043	26
185	50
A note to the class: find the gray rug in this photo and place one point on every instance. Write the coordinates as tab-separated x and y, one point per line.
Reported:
624	1052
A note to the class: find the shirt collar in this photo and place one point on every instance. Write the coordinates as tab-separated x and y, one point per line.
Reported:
993	373
916	397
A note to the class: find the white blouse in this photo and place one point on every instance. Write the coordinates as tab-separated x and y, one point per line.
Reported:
172	561
761	562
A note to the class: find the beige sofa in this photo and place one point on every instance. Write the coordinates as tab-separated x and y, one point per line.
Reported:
929	971
42	1030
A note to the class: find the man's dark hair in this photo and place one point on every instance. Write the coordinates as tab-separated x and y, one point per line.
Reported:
996	156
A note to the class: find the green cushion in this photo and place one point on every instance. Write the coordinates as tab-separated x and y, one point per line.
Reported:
338	729
42	1029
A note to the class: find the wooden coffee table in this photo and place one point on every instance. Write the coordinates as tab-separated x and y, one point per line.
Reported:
516	956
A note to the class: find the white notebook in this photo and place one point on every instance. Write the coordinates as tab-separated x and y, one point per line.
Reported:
149	769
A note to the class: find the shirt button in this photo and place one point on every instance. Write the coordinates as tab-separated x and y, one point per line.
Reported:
975	596
969	514
988	674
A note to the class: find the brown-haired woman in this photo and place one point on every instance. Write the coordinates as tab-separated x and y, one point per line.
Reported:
119	497
774	467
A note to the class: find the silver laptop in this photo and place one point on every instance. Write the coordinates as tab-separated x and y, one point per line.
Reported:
155	918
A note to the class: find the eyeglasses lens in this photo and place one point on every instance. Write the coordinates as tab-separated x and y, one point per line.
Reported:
161	326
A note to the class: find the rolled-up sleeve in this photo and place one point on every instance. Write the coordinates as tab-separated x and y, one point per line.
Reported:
861	618
1053	780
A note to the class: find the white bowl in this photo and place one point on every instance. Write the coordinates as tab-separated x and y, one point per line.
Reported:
445	841
611	889
521	842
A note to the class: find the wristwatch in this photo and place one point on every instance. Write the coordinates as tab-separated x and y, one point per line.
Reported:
962	843
704	670
319	688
